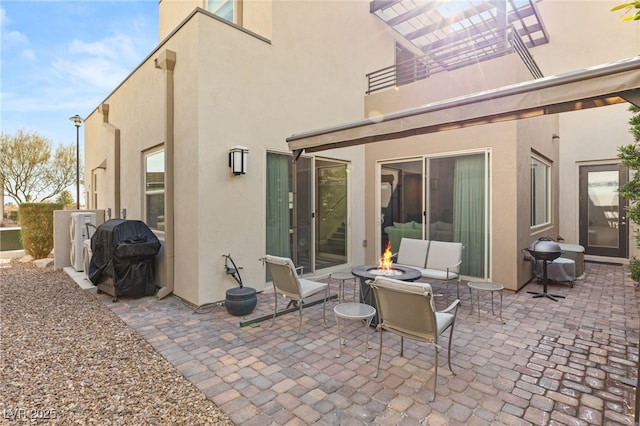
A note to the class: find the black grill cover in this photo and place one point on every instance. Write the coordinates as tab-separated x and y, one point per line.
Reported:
125	251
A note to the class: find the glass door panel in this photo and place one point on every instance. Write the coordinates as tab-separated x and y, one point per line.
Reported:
401	203
457	207
331	214
288	235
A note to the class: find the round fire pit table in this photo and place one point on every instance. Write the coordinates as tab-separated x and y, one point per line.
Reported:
370	272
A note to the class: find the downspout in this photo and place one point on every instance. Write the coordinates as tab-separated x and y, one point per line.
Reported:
104	110
167	62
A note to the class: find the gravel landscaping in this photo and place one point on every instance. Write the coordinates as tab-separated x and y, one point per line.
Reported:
67	359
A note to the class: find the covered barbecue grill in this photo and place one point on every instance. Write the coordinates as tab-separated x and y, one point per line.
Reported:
122	261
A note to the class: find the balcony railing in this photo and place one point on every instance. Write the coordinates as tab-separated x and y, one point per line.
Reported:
422	67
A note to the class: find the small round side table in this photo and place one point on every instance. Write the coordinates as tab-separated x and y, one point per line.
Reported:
354	311
480	286
341	277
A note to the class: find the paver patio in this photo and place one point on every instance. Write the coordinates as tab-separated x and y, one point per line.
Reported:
569	362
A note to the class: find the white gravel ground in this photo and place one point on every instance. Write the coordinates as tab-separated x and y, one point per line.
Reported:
67	359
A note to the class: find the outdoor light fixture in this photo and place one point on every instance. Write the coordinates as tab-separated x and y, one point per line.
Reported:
238	157
77	121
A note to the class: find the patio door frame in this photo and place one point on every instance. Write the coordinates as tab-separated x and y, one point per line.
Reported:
622	249
316	196
294	225
427	182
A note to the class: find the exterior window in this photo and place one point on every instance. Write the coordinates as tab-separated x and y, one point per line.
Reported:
221	8
540	192
154	189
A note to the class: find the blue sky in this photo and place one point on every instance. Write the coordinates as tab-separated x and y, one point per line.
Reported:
61	58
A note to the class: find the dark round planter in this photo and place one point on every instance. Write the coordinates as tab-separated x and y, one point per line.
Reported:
241	301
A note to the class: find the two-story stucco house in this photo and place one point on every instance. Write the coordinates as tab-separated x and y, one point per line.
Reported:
466	121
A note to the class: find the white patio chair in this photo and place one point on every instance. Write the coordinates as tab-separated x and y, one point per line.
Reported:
407	309
287	282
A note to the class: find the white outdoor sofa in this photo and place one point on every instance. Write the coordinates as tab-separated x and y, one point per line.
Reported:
437	260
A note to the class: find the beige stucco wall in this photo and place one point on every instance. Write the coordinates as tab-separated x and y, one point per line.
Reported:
172	12
510	144
297	73
248	91
592	136
253	15
493	74
586	136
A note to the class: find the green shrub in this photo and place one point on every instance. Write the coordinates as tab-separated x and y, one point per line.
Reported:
634	268
36	221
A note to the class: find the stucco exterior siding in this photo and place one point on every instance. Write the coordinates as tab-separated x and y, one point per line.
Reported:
233	88
584	34
302	65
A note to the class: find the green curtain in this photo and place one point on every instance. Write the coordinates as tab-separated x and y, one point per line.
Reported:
278	205
469	212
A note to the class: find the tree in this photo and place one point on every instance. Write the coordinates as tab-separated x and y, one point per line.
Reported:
28	171
629	14
66	199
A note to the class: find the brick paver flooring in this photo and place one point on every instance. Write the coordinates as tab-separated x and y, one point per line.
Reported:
552	363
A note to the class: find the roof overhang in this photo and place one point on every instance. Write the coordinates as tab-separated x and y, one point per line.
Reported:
601	85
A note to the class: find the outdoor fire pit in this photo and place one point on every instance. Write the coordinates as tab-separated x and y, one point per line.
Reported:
370	272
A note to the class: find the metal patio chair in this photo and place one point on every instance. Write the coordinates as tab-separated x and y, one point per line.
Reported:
408	310
286	282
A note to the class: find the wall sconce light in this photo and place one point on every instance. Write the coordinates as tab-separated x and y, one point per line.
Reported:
123	213
238	158
107	212
555	137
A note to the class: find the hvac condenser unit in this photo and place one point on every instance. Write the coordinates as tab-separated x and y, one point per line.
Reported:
83	225
86	256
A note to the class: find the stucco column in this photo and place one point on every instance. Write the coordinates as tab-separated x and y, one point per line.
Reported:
115	159
166	61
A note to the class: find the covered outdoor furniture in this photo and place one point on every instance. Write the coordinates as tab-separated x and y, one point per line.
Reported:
123	258
567	267
437	260
286	282
408	310
558	270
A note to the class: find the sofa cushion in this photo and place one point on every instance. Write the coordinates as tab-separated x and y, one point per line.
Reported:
437	274
413	252
405	225
443	255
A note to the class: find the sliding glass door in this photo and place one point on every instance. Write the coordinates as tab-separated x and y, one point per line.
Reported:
439	198
289	230
313	232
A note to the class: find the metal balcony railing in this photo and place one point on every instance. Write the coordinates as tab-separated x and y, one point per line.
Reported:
422	67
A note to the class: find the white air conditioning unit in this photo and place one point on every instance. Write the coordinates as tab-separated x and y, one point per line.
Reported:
83	225
86	256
